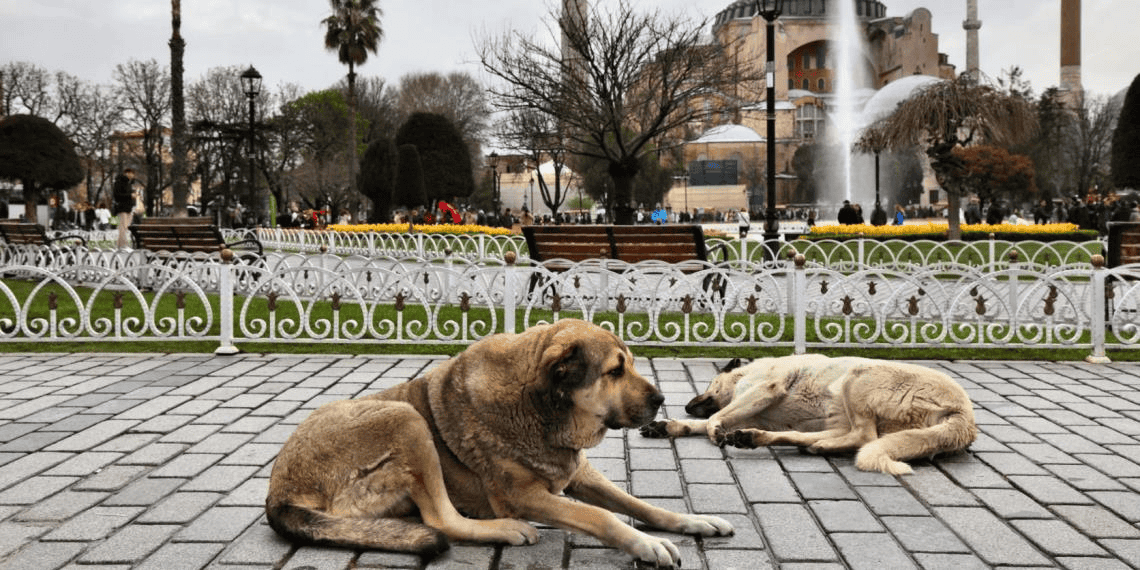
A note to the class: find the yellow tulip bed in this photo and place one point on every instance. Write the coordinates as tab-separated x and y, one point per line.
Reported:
938	231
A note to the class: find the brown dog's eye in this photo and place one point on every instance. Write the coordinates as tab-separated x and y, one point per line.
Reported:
617	371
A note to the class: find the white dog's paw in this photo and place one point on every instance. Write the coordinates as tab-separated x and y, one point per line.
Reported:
704	525
656	551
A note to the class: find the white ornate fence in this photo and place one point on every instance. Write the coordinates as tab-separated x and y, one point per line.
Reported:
80	295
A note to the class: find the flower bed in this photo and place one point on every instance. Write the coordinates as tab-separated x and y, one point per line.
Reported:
426	228
938	231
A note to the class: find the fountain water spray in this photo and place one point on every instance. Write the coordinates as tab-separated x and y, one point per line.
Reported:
850	76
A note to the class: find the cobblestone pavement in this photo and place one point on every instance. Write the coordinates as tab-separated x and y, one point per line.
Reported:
162	462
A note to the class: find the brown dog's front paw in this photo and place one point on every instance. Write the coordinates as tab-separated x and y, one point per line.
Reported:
656	429
740	438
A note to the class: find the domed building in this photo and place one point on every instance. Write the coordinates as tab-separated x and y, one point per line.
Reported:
893	49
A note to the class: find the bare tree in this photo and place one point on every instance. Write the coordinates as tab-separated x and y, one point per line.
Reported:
457	96
626	79
954	114
537	137
145	89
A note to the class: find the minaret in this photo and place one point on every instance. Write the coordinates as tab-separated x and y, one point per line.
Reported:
1071	51
972	25
574	18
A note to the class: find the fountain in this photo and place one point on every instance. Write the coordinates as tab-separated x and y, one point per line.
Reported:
851	83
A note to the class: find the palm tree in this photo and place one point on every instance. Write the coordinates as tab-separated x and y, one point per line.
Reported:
948	115
353	30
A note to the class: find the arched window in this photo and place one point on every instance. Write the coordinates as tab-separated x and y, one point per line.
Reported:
822	84
807	85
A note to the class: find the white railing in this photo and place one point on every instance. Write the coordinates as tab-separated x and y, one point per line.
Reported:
73	294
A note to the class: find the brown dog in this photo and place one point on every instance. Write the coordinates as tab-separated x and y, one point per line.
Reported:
497	433
888	411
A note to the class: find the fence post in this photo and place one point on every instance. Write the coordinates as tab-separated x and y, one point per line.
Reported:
509	295
799	315
1014	283
1097	320
226	305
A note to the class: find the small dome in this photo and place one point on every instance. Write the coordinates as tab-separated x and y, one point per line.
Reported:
730	134
883	103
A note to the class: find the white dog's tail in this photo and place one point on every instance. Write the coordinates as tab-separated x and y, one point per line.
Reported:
954	433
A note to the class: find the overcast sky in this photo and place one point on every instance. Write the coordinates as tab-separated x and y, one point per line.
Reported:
283	38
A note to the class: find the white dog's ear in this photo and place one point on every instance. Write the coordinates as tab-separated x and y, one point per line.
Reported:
732	365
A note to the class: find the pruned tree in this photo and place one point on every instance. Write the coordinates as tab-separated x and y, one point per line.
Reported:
1126	140
446	162
948	115
378	177
38	154
614	79
410	191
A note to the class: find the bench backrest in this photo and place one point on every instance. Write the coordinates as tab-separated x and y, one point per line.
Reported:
177	234
16	232
1123	243
631	244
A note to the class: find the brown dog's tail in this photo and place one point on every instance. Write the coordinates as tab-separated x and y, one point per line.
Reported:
886	454
306	526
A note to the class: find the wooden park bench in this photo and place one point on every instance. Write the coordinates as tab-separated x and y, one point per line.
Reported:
1123	243
675	244
683	246
190	235
15	232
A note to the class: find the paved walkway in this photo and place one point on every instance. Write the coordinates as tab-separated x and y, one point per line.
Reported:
161	462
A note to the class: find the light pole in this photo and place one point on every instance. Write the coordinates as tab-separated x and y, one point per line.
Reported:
494	156
770	10
251	84
533	206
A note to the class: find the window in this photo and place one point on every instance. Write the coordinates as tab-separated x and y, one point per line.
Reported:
809	121
822	85
807	85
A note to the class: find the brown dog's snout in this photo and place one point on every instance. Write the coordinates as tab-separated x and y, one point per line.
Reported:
656	399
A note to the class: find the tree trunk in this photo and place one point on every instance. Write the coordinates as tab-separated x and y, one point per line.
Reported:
954	197
622	173
31	200
180	186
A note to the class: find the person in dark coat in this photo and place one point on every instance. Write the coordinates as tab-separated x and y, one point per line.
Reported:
847	214
123	198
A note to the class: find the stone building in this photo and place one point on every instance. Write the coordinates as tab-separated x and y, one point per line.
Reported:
893	47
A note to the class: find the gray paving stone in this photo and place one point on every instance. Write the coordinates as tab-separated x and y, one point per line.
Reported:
1085	478
1125	504
763	481
844	516
221	478
885	501
179	508
258	545
173	556
871	551
144	492
716	499
94	524
950	562
44	556
60	507
990	537
1012	504
1057	538
812	485
219	524
1049	490
924	534
1096	521
548	553
739	560
656	483
14	535
792	533
129	545
934	488
111	478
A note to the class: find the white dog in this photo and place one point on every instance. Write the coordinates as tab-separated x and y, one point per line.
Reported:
888	411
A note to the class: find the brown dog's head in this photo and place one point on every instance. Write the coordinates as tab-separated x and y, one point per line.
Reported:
719	392
591	385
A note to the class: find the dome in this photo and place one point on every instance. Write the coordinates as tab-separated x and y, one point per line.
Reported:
884	102
730	134
746	10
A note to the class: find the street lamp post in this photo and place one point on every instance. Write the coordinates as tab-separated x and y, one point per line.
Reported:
770	10
533	206
495	197
251	84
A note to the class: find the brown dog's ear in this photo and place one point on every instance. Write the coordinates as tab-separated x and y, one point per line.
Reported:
732	365
565	365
